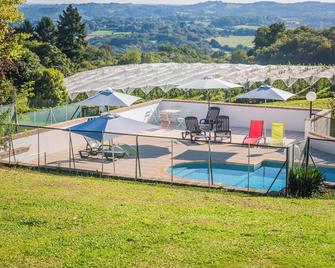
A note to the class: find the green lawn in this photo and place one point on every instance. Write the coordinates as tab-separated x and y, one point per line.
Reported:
62	221
319	103
234	41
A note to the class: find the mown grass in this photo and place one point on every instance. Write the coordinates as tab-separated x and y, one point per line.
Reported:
50	220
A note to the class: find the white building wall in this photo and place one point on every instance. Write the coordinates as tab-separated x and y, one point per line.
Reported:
139	112
240	115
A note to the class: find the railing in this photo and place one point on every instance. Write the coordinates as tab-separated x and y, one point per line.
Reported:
316	152
323	125
233	166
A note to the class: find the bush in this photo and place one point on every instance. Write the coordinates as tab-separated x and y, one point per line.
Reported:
305	182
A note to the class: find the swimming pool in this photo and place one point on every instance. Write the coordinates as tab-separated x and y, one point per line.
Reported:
236	175
329	173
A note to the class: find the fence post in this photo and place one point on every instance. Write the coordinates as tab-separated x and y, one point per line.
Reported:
9	152
287	170
72	153
103	153
210	173
293	155
38	147
307	151
138	162
248	167
70	149
171	160
113	152
12	149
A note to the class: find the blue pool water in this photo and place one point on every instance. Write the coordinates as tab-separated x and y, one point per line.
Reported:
329	173
236	175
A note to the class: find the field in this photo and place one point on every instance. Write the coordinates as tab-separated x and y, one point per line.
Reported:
234	41
250	27
50	220
103	34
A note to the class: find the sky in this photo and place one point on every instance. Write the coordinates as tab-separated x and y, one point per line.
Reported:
156	1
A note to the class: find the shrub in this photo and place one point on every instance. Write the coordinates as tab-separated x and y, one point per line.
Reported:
305	182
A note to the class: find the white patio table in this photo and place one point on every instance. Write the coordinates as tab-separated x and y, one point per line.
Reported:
167	116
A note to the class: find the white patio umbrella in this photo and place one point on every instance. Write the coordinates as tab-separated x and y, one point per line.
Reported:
267	92
108	97
206	83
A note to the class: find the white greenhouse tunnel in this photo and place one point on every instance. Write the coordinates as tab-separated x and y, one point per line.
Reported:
169	75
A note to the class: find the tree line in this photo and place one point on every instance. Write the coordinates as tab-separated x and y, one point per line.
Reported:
275	44
35	59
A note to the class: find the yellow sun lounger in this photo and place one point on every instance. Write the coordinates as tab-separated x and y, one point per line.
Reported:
278	134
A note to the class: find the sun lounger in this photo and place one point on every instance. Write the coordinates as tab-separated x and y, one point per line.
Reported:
222	128
95	150
255	133
193	129
211	118
278	134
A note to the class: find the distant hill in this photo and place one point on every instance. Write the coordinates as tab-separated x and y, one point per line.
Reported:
314	14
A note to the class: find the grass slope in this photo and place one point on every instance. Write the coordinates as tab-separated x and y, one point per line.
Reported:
62	221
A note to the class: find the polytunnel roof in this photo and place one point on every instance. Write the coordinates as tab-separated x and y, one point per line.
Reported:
170	75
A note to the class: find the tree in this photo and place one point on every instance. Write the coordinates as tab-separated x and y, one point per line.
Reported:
239	56
10	43
51	56
26	27
27	66
130	56
71	34
220	56
49	88
303	45
149	57
46	30
267	35
215	44
97	56
261	37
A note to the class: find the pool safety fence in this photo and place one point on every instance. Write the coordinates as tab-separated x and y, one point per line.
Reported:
320	153
50	116
232	166
323	124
